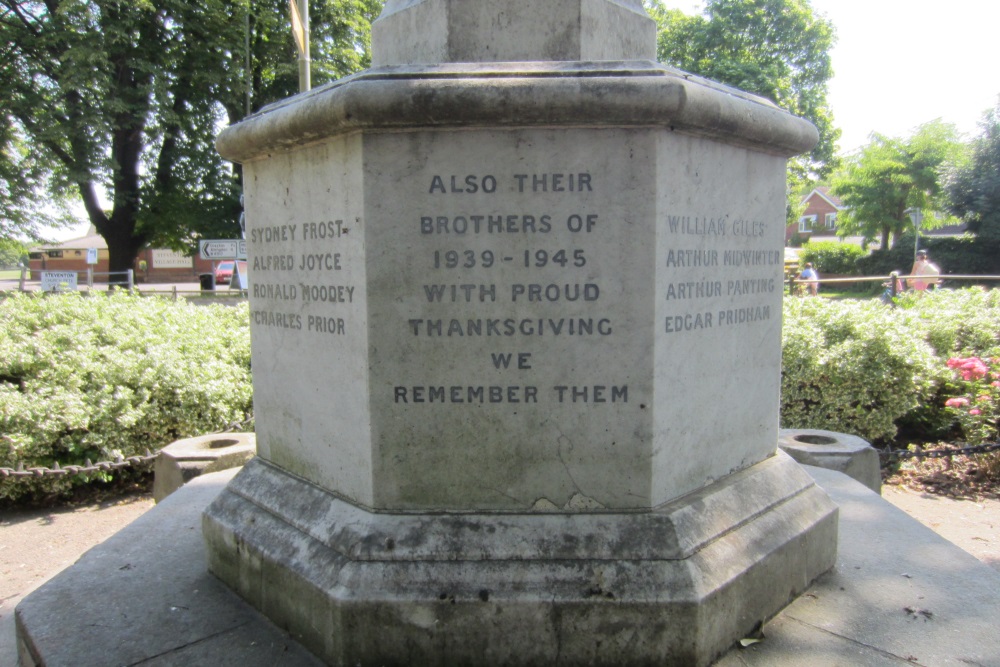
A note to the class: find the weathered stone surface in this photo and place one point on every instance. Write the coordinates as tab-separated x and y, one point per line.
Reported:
443	31
844	453
485	304
513	95
181	461
516	350
673	586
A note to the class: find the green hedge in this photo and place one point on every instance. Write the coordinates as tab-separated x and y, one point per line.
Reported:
864	368
96	377
832	257
851	366
105	376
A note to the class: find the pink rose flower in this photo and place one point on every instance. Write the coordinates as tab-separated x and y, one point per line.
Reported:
975	411
956	402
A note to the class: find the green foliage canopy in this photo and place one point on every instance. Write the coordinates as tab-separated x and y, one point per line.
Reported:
888	176
12	252
974	191
778	49
28	205
124	97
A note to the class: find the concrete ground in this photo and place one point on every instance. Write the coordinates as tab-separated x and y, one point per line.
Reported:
36	544
973	525
899	595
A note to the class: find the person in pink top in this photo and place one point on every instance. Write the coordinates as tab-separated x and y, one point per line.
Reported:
925	273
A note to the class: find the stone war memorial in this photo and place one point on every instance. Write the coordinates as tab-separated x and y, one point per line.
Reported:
516	330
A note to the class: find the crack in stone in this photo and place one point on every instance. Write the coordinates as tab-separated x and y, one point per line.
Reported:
194	643
907	659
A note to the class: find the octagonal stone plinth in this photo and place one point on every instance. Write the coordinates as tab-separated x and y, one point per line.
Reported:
516	350
675	586
475	290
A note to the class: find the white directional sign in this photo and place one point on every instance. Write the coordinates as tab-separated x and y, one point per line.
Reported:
58	281
223	249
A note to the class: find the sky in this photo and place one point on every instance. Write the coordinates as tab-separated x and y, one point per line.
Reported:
897	64
901	63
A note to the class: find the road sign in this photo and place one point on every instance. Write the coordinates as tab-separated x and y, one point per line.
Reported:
223	249
58	281
91	255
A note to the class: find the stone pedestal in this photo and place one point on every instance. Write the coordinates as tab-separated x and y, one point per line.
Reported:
516	349
181	461
849	454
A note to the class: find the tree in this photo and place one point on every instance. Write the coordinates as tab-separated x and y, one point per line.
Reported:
124	97
778	49
12	252
974	190
890	176
25	207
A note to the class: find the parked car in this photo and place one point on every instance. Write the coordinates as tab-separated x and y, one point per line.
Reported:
224	272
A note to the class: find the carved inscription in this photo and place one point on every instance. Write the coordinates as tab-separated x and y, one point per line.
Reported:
507	260
519	251
735	280
294	283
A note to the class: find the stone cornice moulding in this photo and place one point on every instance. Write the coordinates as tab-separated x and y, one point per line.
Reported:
519	95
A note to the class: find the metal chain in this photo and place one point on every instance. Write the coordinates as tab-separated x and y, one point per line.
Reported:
234	426
117	464
942	453
56	470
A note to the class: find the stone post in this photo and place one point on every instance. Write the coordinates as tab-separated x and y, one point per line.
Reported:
516	317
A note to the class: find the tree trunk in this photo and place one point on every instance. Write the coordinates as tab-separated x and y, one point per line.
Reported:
118	231
886	234
123	249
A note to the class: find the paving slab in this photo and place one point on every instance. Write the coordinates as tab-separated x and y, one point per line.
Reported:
145	597
899	595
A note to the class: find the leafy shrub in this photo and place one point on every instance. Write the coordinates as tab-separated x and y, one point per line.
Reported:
976	408
832	257
960	322
956	323
871	370
104	376
852	366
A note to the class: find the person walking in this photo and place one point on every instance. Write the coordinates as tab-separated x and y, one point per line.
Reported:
811	278
924	274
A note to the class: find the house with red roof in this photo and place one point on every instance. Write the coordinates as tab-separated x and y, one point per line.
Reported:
819	219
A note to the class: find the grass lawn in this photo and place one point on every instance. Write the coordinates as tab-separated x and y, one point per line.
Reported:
841	294
12	274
